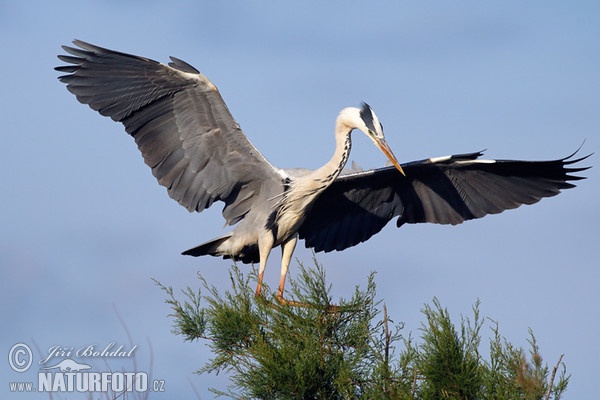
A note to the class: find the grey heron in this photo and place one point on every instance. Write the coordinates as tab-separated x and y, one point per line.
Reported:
198	152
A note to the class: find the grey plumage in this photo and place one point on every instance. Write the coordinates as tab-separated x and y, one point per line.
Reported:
180	124
197	151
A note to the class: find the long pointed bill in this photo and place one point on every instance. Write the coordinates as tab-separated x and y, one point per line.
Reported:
383	146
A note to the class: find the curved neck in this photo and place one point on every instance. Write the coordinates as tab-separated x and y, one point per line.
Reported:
335	165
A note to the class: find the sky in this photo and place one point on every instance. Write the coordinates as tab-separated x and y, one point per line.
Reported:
85	227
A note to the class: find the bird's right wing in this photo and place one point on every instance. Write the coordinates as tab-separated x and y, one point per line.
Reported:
179	122
444	190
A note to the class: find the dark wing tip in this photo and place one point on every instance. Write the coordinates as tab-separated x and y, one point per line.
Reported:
86	45
77	56
86	51
571	170
182	66
85	48
467	156
82	50
75	59
67	69
566	160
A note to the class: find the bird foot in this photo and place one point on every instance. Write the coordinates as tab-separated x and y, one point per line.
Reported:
291	303
333	309
281	300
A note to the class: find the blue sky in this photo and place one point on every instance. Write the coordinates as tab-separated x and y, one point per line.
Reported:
85	226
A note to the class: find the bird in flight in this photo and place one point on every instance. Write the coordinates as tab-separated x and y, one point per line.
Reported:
198	152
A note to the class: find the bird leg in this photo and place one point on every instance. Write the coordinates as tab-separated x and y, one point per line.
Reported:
264	249
287	249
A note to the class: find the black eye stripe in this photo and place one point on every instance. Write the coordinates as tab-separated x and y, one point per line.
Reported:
367	116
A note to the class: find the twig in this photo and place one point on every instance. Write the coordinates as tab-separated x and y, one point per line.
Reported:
414	384
552	377
387	336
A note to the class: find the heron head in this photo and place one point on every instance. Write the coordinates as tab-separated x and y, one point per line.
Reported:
366	120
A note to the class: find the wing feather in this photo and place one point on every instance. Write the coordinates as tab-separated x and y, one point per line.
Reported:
180	123
444	190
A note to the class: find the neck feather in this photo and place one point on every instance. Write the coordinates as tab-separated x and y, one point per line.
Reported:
343	143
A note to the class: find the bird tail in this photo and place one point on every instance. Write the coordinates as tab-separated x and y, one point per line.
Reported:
209	248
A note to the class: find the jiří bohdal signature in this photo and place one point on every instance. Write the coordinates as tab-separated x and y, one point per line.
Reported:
92	350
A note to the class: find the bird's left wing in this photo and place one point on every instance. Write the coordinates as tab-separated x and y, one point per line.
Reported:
444	190
180	123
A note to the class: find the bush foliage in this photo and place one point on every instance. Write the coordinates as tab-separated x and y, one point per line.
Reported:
352	350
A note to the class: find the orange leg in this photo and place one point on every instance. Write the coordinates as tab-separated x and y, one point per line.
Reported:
264	249
287	249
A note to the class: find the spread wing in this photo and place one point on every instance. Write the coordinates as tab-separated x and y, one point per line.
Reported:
180	124
445	190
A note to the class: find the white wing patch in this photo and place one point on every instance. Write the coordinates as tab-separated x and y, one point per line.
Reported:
439	159
435	160
477	162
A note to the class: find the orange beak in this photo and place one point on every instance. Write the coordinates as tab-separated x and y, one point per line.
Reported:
383	146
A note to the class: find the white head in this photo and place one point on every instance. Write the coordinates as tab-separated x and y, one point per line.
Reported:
366	120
